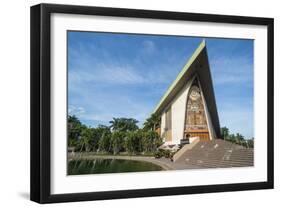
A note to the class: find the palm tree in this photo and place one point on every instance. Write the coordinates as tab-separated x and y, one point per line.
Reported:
74	127
123	124
152	123
85	138
239	138
118	141
225	132
114	124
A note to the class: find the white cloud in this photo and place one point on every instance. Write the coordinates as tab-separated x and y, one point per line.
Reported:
95	117
149	47
106	74
78	111
114	73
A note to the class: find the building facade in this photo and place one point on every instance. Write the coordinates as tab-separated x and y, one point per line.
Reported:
188	108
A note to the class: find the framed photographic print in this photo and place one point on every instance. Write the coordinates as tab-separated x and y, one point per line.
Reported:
133	103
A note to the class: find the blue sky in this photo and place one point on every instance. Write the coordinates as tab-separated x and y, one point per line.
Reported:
125	75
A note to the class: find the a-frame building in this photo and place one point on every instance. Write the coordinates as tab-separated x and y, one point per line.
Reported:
188	108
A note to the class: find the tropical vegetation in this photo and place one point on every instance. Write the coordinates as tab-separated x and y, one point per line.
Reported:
121	136
237	138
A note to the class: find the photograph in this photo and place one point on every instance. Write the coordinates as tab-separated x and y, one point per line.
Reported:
148	102
129	103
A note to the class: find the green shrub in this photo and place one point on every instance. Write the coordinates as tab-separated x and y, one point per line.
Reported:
163	153
158	154
167	153
251	143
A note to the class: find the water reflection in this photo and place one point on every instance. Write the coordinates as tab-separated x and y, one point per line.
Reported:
78	167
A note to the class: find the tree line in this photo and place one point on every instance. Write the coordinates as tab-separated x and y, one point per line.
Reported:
237	138
122	135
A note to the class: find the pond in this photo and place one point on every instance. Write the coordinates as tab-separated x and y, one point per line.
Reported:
79	167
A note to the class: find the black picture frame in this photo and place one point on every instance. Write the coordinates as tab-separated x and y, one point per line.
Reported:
41	99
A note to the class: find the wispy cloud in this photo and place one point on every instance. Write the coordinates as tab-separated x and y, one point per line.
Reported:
112	74
73	110
149	47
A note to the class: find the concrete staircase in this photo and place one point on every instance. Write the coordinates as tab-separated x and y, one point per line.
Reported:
217	154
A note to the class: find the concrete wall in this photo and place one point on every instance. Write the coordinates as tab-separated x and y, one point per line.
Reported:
178	115
163	116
